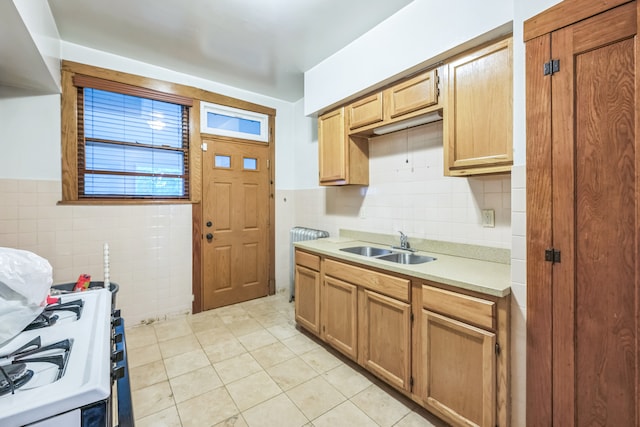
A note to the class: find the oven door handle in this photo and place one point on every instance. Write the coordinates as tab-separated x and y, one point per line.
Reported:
125	405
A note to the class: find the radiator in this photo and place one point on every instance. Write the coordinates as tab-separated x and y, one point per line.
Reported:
298	234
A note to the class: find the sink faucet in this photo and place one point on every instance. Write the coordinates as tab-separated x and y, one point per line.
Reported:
404	243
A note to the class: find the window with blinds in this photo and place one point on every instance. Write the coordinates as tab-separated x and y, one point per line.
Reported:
132	142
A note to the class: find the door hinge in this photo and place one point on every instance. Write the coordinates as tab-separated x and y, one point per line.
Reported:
411	317
552	255
551	67
411	382
497	349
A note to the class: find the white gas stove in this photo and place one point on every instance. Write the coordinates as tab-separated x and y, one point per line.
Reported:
68	365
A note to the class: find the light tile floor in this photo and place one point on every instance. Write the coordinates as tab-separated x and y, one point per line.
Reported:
248	365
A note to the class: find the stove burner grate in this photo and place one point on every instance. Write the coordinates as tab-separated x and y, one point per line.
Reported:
14	376
42	321
75	306
48	318
28	362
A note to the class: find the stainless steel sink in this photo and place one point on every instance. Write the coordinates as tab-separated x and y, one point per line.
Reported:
368	251
406	258
389	255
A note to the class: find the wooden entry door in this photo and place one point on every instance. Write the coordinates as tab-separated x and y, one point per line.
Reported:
235	216
582	215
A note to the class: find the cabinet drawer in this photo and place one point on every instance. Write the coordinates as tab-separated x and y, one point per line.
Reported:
470	309
414	94
365	111
308	260
394	287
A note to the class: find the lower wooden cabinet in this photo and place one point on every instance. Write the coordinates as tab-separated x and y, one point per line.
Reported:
307	286
458	380
461	355
446	350
385	337
340	311
307	291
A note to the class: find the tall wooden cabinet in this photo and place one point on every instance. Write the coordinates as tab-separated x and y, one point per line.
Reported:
582	215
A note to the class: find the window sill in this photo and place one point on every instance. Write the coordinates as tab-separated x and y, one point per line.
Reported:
112	202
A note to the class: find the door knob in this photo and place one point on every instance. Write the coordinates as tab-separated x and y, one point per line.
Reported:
209	236
209	223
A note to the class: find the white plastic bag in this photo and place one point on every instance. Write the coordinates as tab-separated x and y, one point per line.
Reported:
25	281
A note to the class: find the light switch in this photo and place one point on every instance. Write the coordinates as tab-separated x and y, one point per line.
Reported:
488	218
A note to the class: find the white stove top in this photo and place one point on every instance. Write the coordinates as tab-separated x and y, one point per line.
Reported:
87	378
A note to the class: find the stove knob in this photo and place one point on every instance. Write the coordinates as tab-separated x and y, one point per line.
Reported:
116	318
117	356
117	373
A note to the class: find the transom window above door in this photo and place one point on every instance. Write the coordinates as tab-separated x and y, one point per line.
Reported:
232	122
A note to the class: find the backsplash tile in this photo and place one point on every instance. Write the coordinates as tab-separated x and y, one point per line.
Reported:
150	245
408	191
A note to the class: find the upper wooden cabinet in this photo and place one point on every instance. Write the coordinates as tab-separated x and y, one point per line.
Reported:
478	112
414	94
473	93
365	111
412	97
344	159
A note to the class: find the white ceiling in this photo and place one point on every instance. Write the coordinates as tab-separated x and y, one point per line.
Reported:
263	46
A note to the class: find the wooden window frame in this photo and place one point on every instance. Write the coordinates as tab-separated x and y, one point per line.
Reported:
76	75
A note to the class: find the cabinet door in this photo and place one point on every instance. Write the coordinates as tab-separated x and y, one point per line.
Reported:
344	159
332	146
478	119
582	200
365	111
411	95
385	338
458	371
307	300
340	323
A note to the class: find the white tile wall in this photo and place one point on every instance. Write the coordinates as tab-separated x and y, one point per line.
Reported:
150	245
408	191
518	297
285	220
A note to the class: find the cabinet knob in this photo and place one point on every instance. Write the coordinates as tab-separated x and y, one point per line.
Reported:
209	236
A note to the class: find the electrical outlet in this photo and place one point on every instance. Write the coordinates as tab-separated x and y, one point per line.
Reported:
488	218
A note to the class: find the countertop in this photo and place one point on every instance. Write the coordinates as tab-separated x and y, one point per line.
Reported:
490	278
